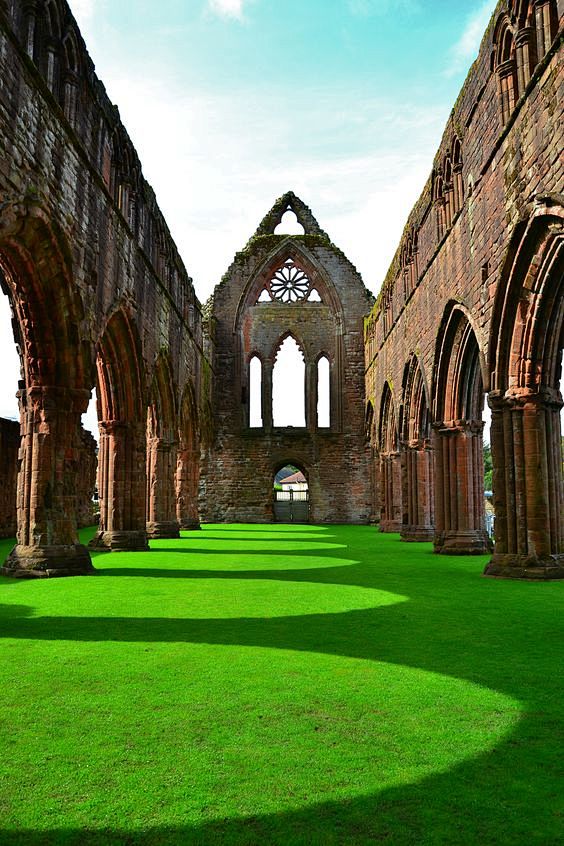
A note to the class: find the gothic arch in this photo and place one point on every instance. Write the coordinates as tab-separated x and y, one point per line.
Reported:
188	467
37	274
526	357
303	259
162	452
122	423
390	464
417	464
459	375
458	398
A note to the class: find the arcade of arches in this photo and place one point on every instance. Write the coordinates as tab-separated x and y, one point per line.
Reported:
391	394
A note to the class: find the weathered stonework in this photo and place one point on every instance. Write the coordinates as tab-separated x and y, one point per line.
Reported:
473	304
99	294
239	466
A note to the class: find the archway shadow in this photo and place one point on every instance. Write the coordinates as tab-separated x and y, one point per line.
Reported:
490	633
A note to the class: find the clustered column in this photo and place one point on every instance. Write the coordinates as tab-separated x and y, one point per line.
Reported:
390	477
418	492
47	502
161	493
187	489
459	489
527	483
121	486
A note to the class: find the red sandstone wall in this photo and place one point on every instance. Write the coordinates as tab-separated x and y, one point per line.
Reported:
237	473
507	169
64	151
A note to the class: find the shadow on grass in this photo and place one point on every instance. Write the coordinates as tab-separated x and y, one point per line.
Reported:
502	798
502	636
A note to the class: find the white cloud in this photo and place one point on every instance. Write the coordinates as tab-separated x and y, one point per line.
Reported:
465	50
227	8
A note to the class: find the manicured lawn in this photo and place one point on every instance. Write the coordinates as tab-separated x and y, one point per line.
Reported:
281	685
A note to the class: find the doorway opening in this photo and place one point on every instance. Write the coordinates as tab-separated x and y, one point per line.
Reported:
291	495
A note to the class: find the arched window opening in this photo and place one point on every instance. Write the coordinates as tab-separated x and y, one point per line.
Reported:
458	182
289	225
323	393
506	69
264	296
546	25
314	296
255	392
439	200
288	385
10	372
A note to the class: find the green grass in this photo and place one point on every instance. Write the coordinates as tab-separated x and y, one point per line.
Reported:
281	685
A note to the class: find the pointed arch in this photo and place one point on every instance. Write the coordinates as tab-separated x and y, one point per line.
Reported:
505	66
288	383
526	349
188	467
390	464
36	264
417	465
37	275
162	452
458	383
458	399
388	436
122	421
121	378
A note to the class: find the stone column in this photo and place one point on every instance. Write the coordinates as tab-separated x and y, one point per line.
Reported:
187	473
390	479
47	539
418	492
523	57
121	487
266	398
312	423
528	487
161	494
459	489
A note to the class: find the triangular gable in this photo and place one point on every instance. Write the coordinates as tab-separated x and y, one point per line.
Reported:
303	214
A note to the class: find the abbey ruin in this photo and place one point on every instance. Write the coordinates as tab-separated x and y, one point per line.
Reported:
471	311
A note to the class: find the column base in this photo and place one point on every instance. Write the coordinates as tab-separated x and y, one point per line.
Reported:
511	566
390	526
163	529
46	562
188	525
121	541
462	543
418	534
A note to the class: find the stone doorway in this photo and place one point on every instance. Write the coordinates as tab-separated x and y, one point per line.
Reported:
291	495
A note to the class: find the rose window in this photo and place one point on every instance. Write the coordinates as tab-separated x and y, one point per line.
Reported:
289	283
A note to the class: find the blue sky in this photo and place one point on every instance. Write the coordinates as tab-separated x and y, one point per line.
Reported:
231	103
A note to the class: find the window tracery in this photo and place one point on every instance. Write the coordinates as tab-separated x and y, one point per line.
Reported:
289	284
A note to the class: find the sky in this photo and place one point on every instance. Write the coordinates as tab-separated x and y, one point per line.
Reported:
231	103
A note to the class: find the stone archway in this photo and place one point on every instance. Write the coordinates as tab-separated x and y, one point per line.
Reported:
38	277
526	401
458	400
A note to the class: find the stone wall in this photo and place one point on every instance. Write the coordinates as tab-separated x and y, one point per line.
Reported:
238	469
101	295
444	311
